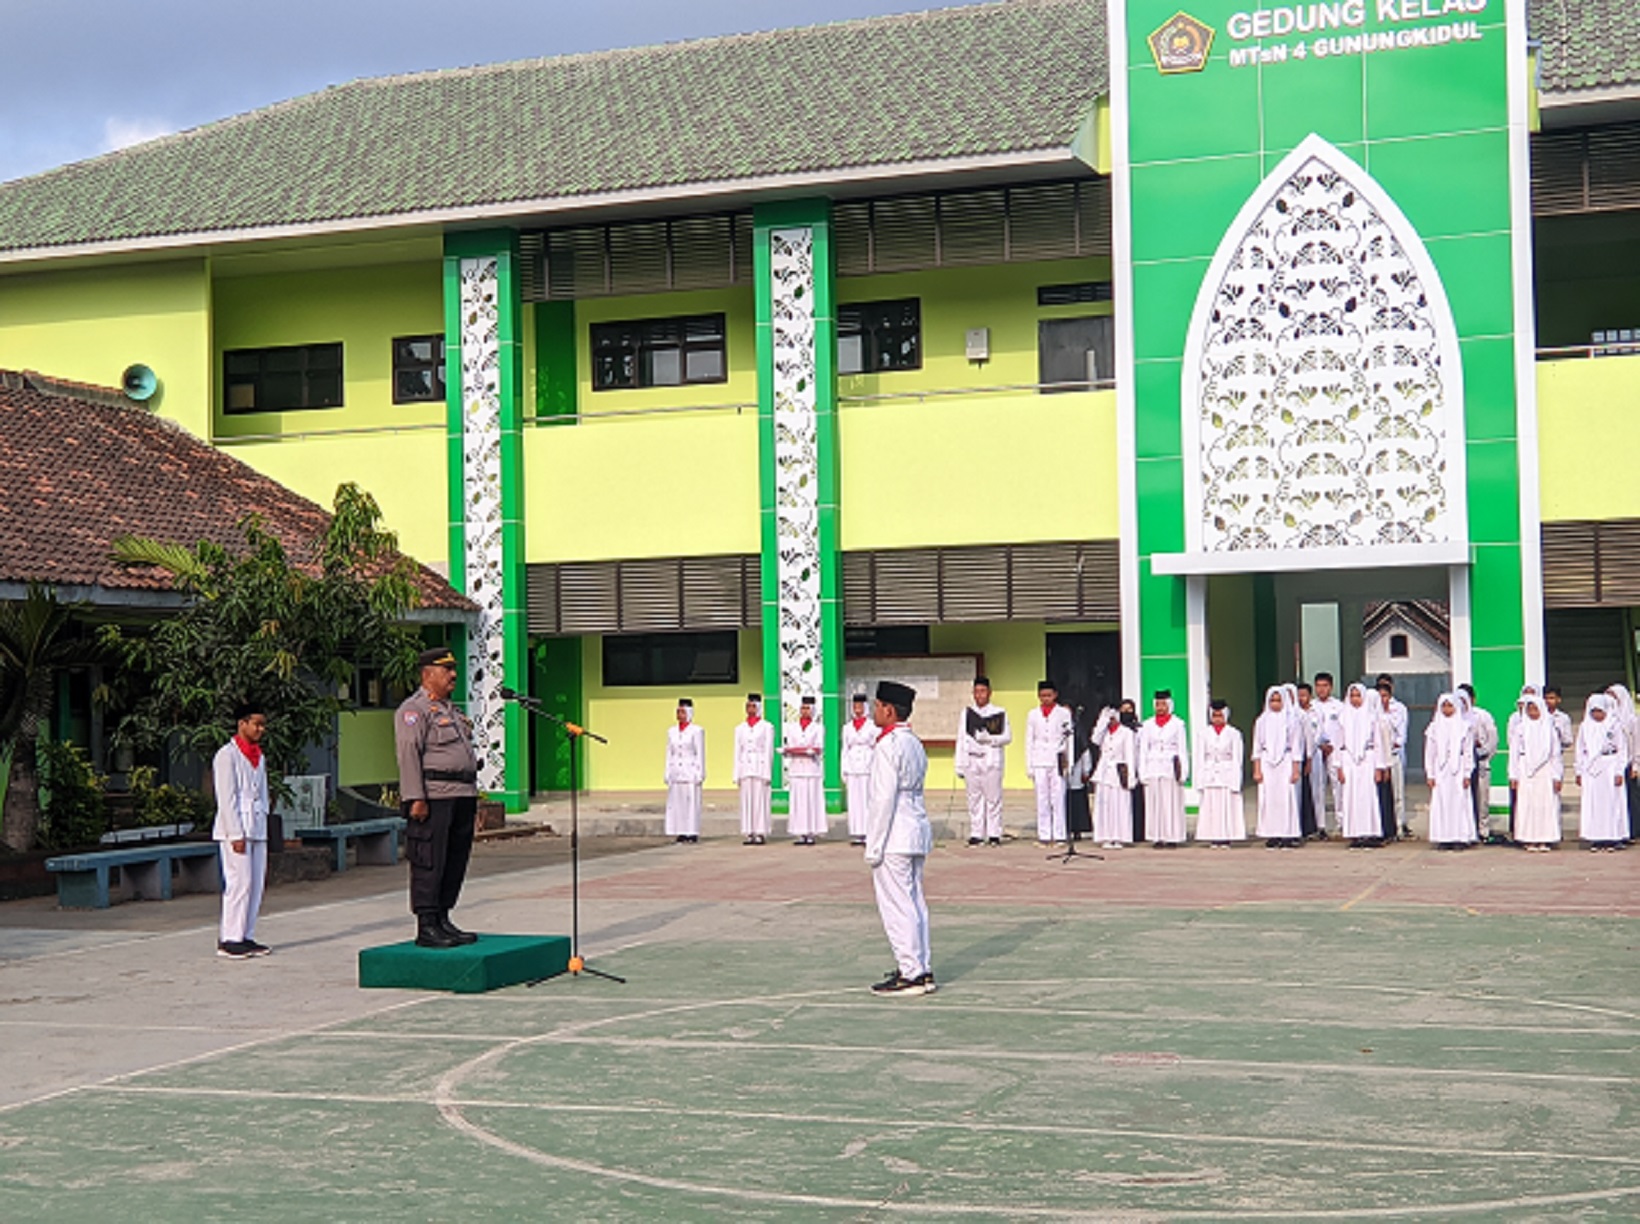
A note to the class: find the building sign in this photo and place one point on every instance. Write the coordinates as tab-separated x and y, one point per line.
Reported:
1322	239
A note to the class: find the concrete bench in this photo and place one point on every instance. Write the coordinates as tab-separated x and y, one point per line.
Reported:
85	881
378	839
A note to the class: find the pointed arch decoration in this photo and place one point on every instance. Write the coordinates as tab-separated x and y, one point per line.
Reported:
1323	399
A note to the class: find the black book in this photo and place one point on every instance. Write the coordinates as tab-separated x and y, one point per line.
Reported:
978	722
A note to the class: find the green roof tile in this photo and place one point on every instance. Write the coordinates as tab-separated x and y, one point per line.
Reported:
1587	44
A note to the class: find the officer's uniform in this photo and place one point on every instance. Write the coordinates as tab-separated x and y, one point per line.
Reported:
436	763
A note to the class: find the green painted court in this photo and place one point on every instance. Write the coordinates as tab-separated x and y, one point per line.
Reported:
1198	1035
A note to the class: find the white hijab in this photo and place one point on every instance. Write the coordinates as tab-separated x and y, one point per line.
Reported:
1622	706
1272	732
1357	722
1540	742
1447	731
1594	734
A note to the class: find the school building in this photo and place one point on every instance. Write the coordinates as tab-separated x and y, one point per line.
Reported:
1132	345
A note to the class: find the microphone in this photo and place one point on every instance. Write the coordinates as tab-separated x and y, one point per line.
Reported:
509	694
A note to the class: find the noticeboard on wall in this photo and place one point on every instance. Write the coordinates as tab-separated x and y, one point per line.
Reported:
944	684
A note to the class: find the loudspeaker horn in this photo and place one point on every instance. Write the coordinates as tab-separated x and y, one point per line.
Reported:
139	383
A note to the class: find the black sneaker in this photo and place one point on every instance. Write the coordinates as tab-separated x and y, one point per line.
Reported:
974	841
234	950
257	949
897	984
995	841
926	981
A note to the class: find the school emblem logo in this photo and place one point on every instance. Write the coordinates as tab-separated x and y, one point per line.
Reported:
1181	44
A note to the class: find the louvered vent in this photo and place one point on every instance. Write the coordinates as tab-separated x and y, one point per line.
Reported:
1617	555
1071	581
1589	564
1586	170
704	252
647	595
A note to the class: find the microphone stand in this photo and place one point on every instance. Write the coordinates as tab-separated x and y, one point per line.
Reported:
577	965
1071	854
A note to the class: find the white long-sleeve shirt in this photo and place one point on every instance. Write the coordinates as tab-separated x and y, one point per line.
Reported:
1160	746
858	741
1116	748
897	821
754	750
983	752
1046	736
685	754
1218	759
803	764
241	796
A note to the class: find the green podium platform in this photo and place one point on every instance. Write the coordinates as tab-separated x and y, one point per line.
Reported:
493	962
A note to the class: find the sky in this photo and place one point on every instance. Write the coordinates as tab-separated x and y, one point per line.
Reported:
82	77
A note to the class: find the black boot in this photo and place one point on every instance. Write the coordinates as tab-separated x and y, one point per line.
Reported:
431	934
453	931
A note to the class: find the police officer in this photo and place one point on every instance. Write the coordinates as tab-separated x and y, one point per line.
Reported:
438	787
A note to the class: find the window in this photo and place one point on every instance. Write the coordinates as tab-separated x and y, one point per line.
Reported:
418	370
659	353
884	641
673	659
1075	351
877	336
371	690
282	379
1398	648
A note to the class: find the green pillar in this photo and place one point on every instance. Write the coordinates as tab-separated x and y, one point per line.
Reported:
483	357
797	456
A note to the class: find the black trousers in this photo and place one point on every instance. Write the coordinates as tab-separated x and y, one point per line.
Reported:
1386	809
438	849
1306	806
1138	813
1632	788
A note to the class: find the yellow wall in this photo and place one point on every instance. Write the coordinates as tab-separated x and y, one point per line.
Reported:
364	307
1582	401
636	719
365	748
976	469
403	471
89	324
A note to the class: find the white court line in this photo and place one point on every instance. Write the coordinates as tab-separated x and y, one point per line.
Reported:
877	1121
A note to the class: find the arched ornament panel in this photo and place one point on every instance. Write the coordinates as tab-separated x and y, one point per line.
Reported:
1322	410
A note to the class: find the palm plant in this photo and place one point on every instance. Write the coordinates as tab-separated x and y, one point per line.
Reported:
38	636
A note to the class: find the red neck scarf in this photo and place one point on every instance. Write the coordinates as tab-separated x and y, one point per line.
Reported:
804	722
1161	719
253	752
751	720
882	735
1049	708
858	723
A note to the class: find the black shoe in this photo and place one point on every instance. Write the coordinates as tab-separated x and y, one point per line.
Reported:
974	841
926	981
235	949
256	949
429	934
898	984
994	841
1321	835
455	932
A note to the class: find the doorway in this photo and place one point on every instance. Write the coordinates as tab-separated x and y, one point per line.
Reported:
1087	667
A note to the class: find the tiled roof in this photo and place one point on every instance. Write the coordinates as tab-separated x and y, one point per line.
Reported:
78	470
954	83
1587	44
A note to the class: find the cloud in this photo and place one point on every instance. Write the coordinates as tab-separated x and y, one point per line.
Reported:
120	132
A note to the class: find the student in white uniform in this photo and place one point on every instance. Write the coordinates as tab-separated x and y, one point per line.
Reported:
1049	729
898	840
859	738
805	776
239	777
1329	709
1164	768
1485	728
1312	808
1219	754
1511	738
1449	768
1278	751
1602	765
685	774
983	732
1561	719
1114	778
1354	760
1536	767
1622	709
1395	713
754	772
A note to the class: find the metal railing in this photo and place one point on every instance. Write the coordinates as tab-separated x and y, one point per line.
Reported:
352	432
1629	348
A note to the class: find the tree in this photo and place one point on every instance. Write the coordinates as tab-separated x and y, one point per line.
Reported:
38	636
260	625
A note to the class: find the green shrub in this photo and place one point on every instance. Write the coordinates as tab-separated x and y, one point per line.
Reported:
166	804
73	812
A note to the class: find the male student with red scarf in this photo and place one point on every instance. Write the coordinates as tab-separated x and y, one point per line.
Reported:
240	777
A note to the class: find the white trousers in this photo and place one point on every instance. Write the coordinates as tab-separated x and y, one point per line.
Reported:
683	809
984	802
1050	804
898	881
754	807
242	877
807	817
1398	784
856	785
1164	811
